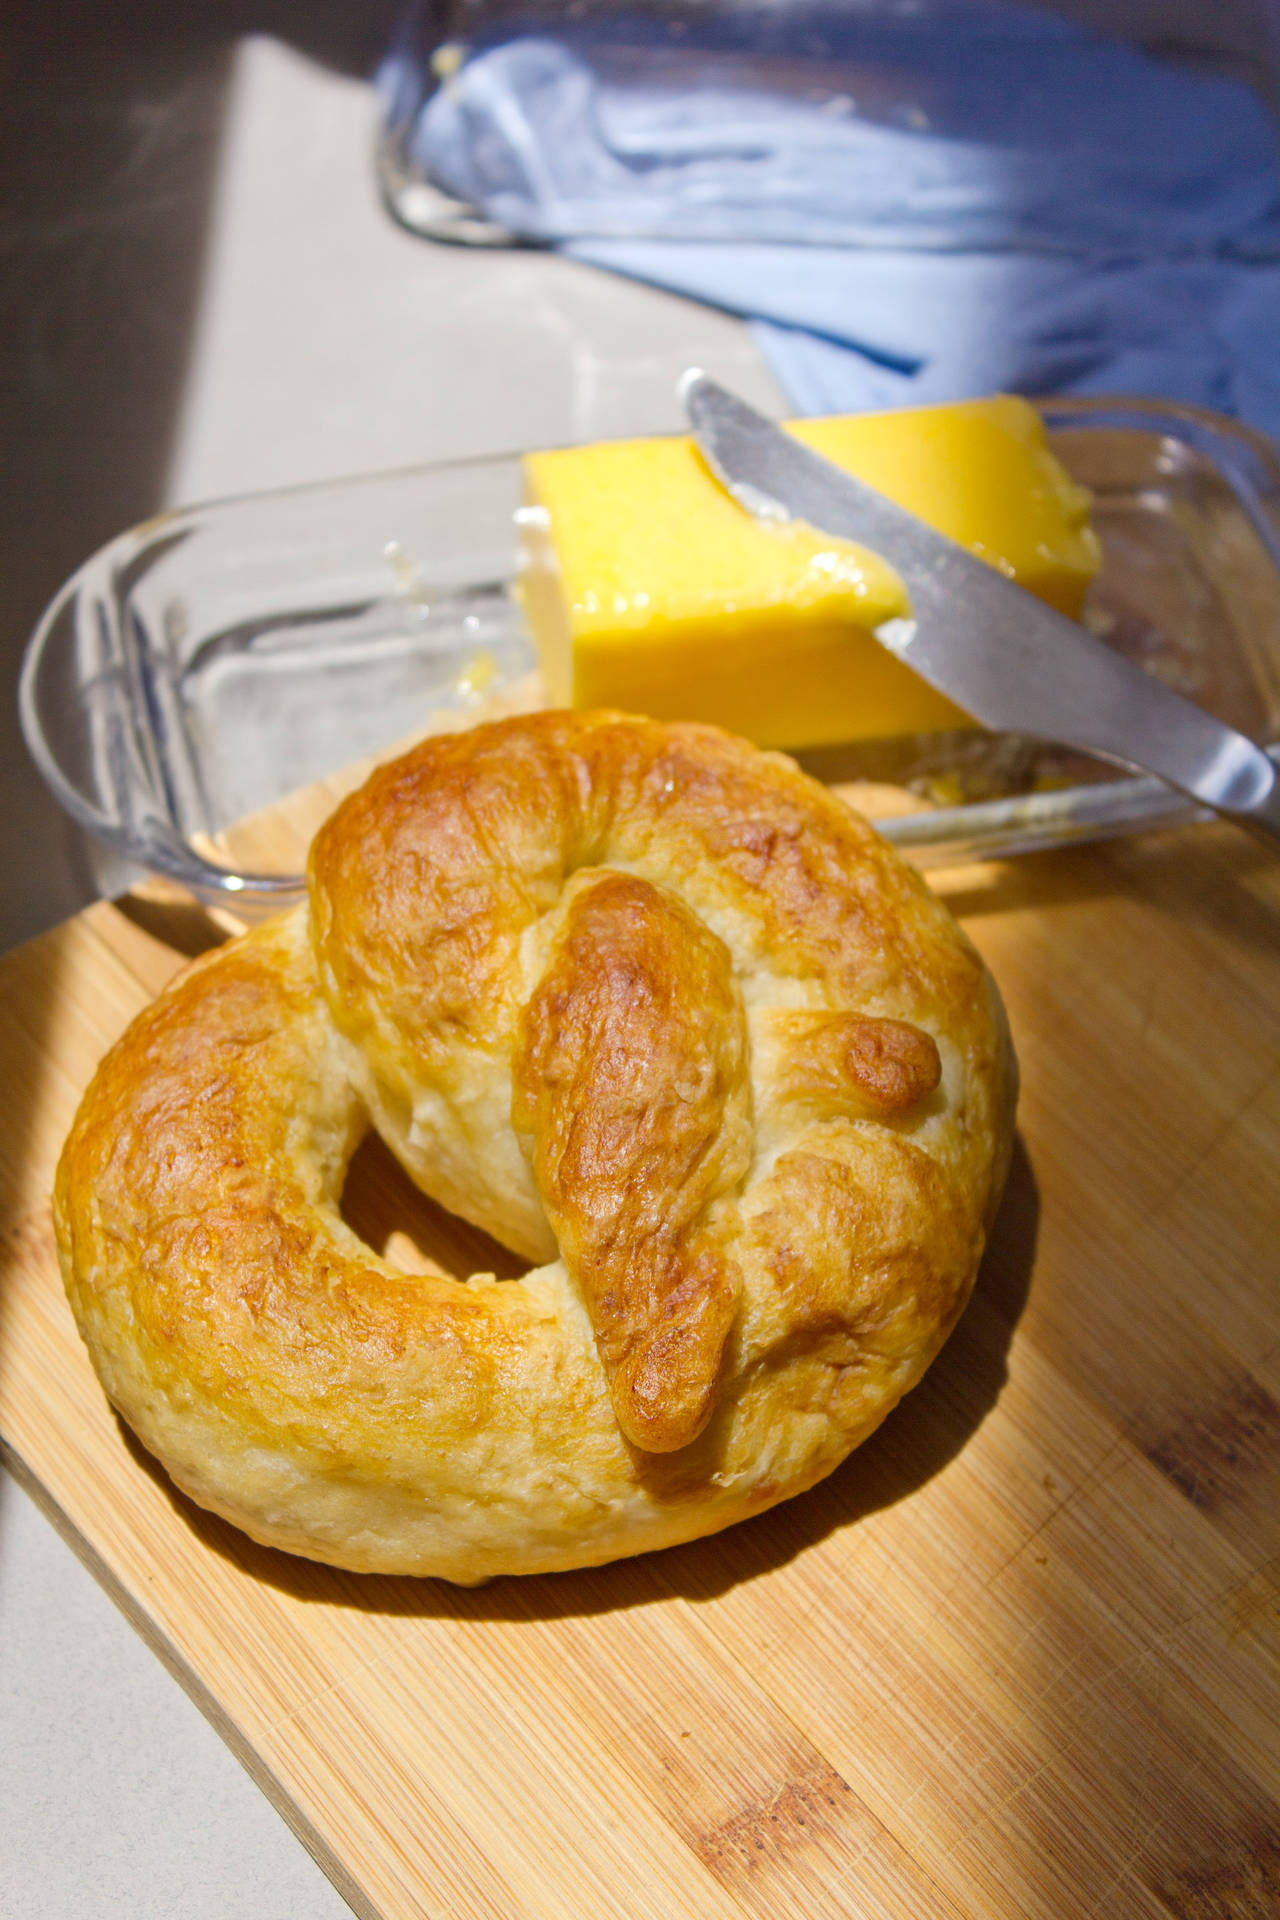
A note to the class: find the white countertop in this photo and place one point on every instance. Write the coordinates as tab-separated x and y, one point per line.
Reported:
203	296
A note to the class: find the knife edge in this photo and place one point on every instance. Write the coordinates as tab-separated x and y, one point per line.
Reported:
1014	663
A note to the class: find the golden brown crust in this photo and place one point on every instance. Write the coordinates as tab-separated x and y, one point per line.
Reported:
631	1086
655	1009
847	1063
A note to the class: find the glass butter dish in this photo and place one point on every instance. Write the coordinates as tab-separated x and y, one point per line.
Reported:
207	685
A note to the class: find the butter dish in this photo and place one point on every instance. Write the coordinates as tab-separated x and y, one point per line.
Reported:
217	661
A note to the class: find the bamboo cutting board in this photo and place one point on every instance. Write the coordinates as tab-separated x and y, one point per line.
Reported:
1019	1657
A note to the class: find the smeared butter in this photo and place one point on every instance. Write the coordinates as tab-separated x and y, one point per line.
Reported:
649	588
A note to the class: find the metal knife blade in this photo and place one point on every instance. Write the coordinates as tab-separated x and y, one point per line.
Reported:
1012	662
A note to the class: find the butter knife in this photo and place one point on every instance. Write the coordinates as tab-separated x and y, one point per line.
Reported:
1015	664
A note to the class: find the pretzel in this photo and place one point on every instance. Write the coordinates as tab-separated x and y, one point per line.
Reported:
665	1018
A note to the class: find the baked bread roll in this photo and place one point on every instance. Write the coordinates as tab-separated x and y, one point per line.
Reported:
660	1014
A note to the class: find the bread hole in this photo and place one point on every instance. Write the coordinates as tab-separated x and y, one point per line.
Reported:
382	1205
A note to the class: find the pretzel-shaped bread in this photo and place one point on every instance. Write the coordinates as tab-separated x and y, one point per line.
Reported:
659	1013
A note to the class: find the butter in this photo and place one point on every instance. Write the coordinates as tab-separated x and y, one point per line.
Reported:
649	588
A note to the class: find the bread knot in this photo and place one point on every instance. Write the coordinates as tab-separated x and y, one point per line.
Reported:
659	1014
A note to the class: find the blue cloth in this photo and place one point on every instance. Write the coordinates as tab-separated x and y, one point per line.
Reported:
912	204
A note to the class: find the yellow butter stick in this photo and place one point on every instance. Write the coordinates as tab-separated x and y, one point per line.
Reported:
649	588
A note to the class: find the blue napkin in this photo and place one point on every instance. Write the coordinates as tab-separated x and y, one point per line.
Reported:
912	204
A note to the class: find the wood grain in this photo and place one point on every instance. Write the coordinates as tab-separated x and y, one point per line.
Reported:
1019	1657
